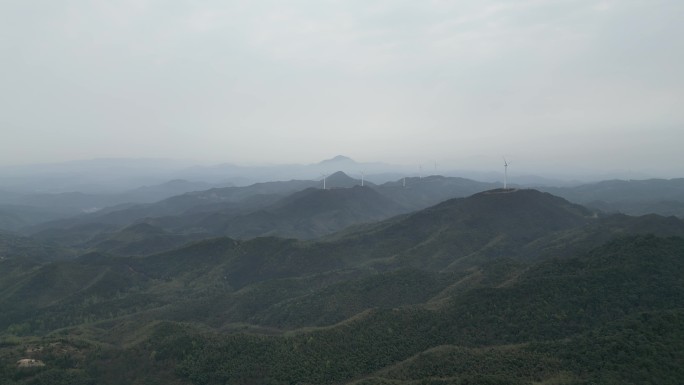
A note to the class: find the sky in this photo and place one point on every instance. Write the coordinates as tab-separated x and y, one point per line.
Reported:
574	85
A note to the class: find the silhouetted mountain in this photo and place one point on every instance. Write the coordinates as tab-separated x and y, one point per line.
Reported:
63	204
626	191
165	190
22	210
241	212
634	197
337	160
341	180
231	199
419	193
307	214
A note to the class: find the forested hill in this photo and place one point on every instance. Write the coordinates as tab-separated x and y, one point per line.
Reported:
505	286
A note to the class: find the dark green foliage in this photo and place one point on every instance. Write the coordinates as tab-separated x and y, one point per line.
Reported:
467	292
514	364
340	301
13	246
541	305
61	377
641	349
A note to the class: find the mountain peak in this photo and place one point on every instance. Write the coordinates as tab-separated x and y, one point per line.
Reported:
340	179
339	174
338	159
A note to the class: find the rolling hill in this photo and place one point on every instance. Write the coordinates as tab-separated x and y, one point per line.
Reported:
503	286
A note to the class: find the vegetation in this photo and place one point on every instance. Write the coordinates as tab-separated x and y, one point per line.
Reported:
499	288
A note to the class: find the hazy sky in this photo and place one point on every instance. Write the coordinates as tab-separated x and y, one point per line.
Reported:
584	84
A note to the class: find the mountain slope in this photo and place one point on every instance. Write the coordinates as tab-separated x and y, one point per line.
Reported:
419	193
559	302
458	234
497	223
467	291
633	197
307	214
80	229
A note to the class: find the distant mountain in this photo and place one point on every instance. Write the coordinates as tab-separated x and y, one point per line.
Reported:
341	180
165	190
308	214
634	197
93	176
63	204
644	207
338	160
376	171
418	193
21	210
37	194
231	199
256	210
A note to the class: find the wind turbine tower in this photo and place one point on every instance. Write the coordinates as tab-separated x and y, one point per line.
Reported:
362	178
505	174
324	177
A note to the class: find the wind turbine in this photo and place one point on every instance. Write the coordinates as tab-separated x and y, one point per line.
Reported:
420	171
324	176
505	173
362	178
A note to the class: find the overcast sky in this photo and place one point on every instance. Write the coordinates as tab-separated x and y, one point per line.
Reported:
581	84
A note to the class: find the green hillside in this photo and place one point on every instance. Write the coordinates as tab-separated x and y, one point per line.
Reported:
506	286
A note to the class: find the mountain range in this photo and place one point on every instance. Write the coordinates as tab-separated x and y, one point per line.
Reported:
502	286
33	195
417	280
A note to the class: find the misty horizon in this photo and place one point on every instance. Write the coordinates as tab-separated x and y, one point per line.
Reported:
119	175
588	86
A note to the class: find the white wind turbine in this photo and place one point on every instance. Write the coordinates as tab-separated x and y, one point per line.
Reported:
362	175
324	177
505	173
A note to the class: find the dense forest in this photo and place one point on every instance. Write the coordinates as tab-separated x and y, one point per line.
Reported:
501	287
